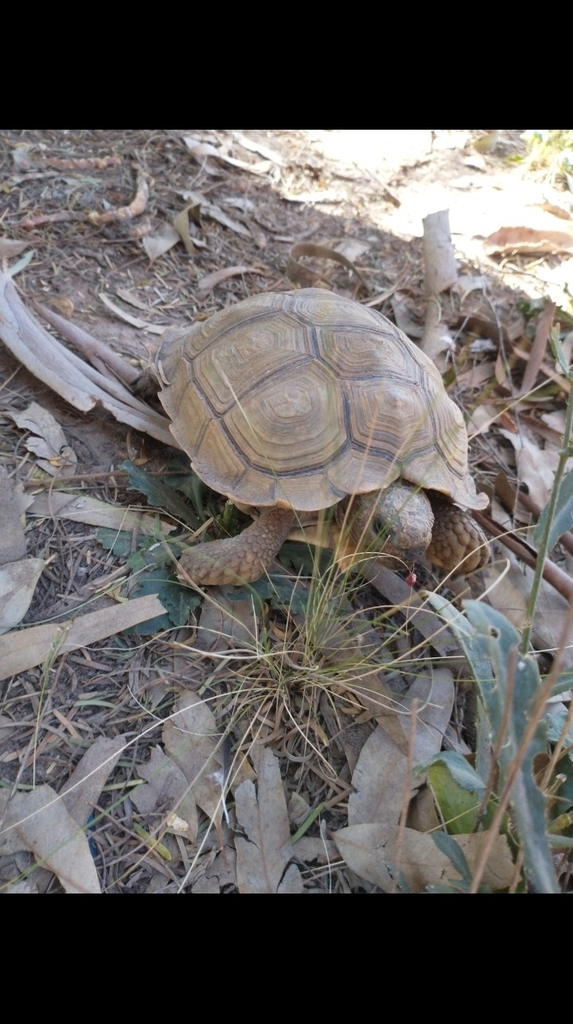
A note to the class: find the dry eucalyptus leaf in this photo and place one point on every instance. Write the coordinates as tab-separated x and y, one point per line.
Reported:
510	593
17	584
256	146
528	240
13	504
535	466
216	876
167	791
434	691
206	284
32	645
370	851
132	299
84	787
10	247
47	441
380	781
160	242
48	830
69	376
81	508
226	624
264	857
129	319
216	213
191	739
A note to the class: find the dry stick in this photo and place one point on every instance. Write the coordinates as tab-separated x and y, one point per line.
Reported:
538	348
87	344
552	574
134	209
440	273
68	375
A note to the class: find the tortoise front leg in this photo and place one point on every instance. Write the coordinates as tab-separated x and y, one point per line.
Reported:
239	559
458	544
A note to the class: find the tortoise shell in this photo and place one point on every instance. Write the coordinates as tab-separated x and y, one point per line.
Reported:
301	398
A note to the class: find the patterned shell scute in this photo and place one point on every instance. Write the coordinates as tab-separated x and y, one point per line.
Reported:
302	398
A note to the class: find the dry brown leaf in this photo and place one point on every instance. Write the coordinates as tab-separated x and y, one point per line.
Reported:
529	240
132	299
33	645
226	624
81	508
47	441
46	828
435	694
264	858
216	213
535	466
216	876
510	593
160	242
191	739
83	789
255	146
380	781
206	284
133	320
68	375
17	584
13	504
167	791
10	247
370	851
181	225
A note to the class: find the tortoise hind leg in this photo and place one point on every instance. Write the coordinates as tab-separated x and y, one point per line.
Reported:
458	544
239	559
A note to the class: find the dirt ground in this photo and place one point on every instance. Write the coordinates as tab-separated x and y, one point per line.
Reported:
246	741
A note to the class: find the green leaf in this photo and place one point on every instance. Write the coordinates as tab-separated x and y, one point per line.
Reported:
447	845
160	495
557	349
459	769
279	590
563	518
179	601
457	805
510	707
118	543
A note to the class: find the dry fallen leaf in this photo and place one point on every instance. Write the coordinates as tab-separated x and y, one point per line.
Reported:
13	503
529	240
47	440
81	508
83	788
31	646
48	830
191	739
370	850
380	780
206	284
535	466
167	791
68	375
17	584
264	857
160	242
129	319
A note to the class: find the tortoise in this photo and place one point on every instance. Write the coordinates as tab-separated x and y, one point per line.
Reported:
290	403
